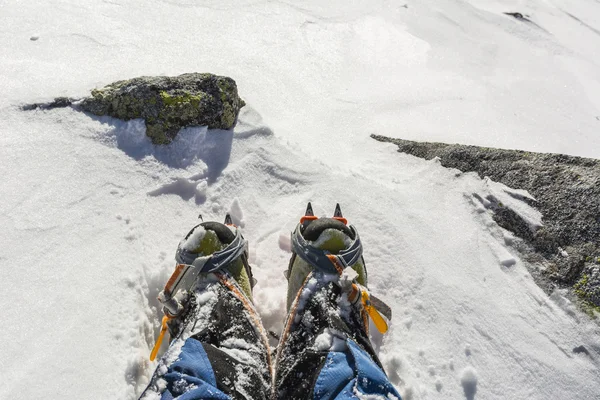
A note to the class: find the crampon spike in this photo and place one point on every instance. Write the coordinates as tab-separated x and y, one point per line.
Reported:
308	214
338	211
383	308
228	220
309	211
337	214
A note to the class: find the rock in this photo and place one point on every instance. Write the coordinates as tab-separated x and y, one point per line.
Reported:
581	350
521	17
168	104
517	15
567	193
59	102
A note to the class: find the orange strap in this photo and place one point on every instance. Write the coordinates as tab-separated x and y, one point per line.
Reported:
161	335
334	260
342	220
308	218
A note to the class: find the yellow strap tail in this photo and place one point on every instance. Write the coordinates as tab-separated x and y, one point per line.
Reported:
375	315
161	335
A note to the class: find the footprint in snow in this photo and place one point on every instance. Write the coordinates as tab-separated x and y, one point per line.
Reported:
431	370
393	366
184	188
468	380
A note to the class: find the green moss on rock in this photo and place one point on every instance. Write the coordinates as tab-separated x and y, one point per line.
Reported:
590	309
168	104
581	285
586	293
185	98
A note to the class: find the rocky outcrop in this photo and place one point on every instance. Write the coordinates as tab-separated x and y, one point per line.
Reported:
59	102
567	193
168	104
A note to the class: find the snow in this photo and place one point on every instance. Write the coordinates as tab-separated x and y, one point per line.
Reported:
92	212
323	341
193	241
512	198
236	344
236	213
330	340
206	297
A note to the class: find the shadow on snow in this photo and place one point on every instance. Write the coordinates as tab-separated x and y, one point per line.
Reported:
212	146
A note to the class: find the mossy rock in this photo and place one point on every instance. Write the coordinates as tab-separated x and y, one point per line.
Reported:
168	104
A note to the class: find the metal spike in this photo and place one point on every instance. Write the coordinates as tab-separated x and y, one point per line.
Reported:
228	220
309	210
338	211
274	334
381	307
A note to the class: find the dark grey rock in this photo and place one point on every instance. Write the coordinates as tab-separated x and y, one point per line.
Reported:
168	104
517	15
567	193
59	102
581	350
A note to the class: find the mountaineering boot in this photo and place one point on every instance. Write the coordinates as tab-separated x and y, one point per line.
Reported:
325	351
219	348
326	234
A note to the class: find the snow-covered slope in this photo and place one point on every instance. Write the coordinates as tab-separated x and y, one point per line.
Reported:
92	213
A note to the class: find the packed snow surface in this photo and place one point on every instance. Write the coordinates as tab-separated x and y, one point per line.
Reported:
92	212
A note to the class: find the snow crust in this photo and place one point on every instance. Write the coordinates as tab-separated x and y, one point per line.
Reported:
513	199
330	340
92	212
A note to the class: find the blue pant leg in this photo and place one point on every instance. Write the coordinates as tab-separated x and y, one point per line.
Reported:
351	373
325	352
192	377
221	352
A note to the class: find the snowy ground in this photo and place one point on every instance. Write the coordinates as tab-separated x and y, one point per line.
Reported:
93	213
